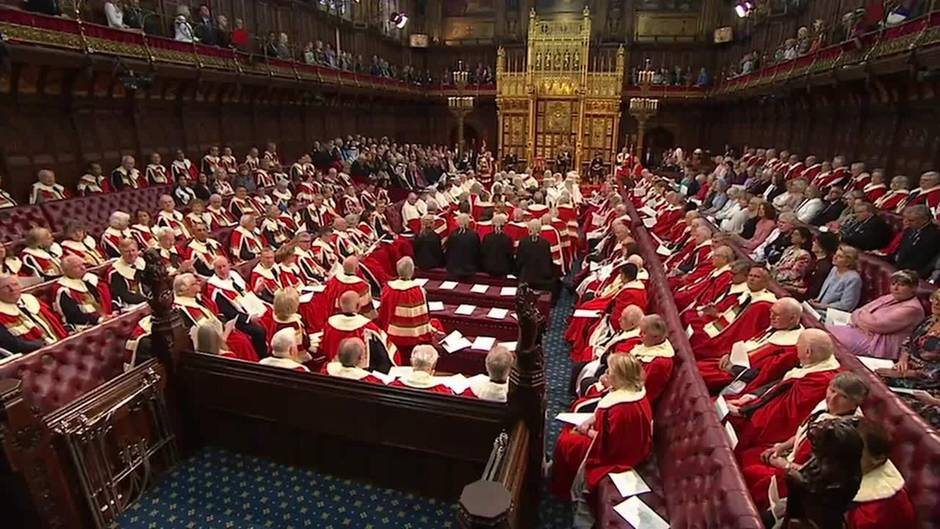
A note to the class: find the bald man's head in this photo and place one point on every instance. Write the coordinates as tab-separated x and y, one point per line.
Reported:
814	346
722	256
73	267
630	317
349	302
786	314
350	265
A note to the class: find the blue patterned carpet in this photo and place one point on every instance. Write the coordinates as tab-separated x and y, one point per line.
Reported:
217	489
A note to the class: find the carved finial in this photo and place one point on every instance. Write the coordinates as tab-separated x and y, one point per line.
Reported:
587	11
500	59
155	277
532	13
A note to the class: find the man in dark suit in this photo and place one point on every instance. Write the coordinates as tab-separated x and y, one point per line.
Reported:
497	248
463	250
534	260
429	251
919	241
832	208
869	231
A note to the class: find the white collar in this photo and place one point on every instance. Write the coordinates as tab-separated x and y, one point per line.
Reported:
73	284
127	271
828	364
346	323
489	390
27	301
648	353
420	379
336	369
267	273
621	396
401	284
880	483
282	362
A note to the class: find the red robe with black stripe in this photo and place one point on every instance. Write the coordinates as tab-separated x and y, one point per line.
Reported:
33	320
195	311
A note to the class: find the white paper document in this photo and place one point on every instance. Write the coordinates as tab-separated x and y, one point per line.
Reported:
574	419
421	281
809	309
400	371
581	313
648	211
649	222
479	289
592	266
457	383
739	356
465	310
663	251
435	306
511	346
253	304
483	343
313	289
721	405
455	342
689	331
838	317
629	483
306	297
448	285
498	314
508	291
876	363
639	514
386	379
903	391
732	435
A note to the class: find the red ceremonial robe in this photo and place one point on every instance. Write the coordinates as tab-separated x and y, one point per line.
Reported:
873	192
80	292
203	254
41	263
272	324
244	241
221	218
31	319
341	283
722	301
882	502
772	417
748	316
263	282
551	235
341	326
704	289
86	249
604	339
891	200
195	311
631	293
624	425
421	380
404	313
773	353
658	363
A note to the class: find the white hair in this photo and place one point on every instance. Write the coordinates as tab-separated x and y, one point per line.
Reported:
282	342
424	358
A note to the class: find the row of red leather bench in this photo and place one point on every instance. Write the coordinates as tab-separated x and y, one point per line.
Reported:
917	446
697	482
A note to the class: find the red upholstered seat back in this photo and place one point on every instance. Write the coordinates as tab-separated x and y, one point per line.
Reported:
95	210
393	214
58	374
16	222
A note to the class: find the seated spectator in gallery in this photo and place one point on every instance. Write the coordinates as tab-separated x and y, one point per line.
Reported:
742	222
868	231
285	352
241	39
882	500
41	256
46	7
880	327
26	323
46	189
495	387
842	288
811	205
832	207
92	182
423	360
919	241
124	276
498	250
80	300
114	13
795	264
463	250
918	366
79	243
764	225
618	437
126	176
779	239
352	359
734	214
825	245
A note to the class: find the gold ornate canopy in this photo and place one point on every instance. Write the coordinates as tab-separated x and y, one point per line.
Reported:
560	97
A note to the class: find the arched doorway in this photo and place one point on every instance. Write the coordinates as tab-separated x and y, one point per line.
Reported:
655	142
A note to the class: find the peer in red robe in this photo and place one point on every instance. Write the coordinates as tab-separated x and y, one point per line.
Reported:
625	291
347	281
196	310
617	438
350	325
882	501
423	360
747	317
770	356
403	312
29	323
246	244
771	416
705	286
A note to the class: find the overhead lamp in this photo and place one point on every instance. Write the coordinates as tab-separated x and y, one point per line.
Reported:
399	19
743	9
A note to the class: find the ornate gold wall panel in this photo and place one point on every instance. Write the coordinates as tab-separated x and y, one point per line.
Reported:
558	99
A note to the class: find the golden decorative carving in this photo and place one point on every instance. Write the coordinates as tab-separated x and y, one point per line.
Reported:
557	116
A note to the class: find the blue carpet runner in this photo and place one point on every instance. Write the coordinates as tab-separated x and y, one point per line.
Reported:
217	489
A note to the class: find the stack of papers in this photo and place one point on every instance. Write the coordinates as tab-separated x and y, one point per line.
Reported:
386	379
457	383
732	435
574	419
639	514
498	314
455	342
483	343
722	406
663	251
448	285
465	310
876	363
479	289
508	291
435	306
629	483
314	289
739	355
